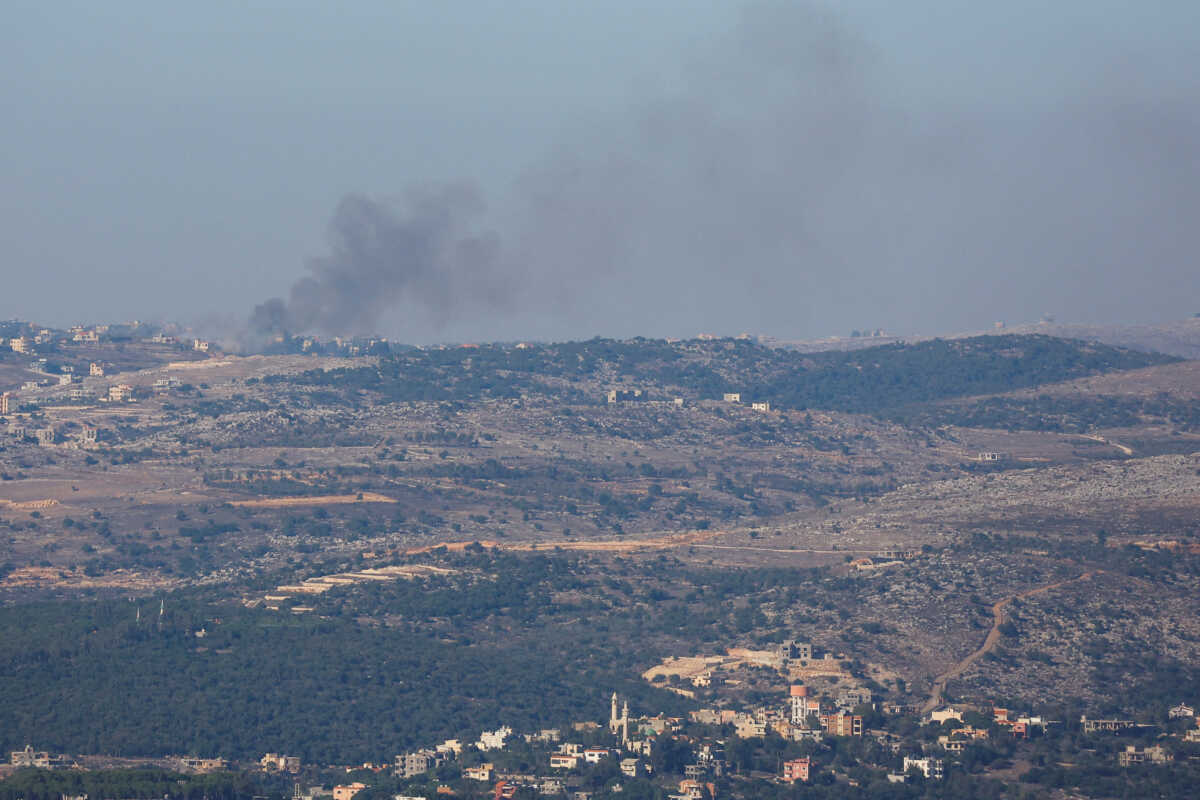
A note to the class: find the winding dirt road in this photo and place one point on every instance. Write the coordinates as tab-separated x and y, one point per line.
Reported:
993	638
1123	448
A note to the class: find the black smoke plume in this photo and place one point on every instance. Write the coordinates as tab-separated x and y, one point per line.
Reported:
424	253
788	185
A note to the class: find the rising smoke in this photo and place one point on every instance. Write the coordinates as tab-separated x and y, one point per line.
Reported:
787	188
425	252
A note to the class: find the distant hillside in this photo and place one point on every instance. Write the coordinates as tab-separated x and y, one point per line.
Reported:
1167	395
1180	338
866	381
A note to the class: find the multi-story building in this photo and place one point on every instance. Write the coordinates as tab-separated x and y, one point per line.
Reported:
747	727
416	763
493	740
852	698
793	650
797	770
30	758
842	724
120	393
1150	755
712	756
563	761
594	755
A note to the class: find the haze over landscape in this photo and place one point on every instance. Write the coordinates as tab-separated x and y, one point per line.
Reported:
744	400
795	169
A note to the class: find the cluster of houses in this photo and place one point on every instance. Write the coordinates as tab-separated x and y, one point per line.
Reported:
1021	726
637	396
27	341
85	436
633	747
736	399
804	715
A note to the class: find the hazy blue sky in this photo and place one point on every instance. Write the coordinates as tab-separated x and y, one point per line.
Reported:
657	168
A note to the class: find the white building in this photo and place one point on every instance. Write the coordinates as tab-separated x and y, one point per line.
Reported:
932	768
563	761
594	755
1181	711
120	393
493	740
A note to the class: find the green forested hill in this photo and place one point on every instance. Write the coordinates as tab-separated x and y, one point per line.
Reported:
86	678
867	381
41	784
